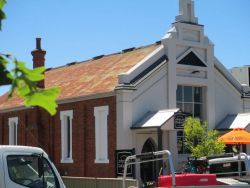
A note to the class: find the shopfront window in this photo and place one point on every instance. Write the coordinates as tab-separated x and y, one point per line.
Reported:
190	100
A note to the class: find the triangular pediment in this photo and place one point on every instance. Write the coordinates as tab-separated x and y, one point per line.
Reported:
192	59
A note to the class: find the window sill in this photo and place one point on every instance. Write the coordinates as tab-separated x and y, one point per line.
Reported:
106	161
67	161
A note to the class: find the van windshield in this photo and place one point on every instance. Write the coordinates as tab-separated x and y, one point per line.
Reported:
24	170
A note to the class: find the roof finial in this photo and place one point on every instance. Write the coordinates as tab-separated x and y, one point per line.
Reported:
186	12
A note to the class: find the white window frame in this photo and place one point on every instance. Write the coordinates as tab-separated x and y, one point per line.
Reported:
64	115
182	102
13	122
101	134
202	103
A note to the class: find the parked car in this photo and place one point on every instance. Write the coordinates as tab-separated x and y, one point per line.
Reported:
187	179
237	166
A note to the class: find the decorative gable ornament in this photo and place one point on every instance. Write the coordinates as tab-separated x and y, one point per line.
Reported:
191	59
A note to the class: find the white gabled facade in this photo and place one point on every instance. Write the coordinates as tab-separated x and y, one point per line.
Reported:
184	62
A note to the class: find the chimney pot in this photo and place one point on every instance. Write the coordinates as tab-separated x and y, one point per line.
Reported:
38	43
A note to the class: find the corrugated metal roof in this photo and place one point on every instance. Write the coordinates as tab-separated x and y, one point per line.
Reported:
95	76
155	119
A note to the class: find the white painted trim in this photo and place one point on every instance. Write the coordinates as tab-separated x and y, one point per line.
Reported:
142	65
101	134
63	117
187	52
13	122
68	160
66	113
104	161
191	44
190	67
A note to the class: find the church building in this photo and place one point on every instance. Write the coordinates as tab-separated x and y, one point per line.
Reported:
130	101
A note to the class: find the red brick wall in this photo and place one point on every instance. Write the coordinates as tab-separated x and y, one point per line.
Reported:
27	127
37	128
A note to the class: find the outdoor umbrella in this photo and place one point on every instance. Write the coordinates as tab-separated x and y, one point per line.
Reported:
236	136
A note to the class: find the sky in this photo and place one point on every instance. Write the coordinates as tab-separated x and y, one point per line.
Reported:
77	30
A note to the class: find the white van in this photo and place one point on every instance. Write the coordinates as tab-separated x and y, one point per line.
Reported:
23	166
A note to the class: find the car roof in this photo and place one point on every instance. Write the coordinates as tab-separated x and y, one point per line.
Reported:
227	159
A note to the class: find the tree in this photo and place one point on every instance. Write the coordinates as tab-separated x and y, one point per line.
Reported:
201	141
24	81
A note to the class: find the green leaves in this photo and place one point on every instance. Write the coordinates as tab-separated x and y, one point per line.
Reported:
2	15
43	98
2	3
33	75
24	81
199	140
4	73
194	131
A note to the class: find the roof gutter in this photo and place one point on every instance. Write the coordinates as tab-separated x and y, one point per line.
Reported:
17	108
63	101
87	97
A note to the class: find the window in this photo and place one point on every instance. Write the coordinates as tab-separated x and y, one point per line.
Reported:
190	100
13	130
24	170
101	134
66	136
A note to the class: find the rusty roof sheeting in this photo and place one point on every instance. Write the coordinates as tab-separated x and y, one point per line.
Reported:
98	75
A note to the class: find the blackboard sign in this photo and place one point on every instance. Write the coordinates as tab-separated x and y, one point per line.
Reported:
121	155
179	118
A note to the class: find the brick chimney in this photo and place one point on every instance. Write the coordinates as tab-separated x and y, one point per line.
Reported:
38	58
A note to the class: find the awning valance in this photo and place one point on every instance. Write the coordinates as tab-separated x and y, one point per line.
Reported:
241	120
155	119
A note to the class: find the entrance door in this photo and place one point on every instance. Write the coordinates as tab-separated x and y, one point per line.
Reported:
148	170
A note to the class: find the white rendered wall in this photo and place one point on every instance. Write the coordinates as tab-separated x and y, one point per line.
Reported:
246	104
124	119
241	74
227	98
132	105
150	96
